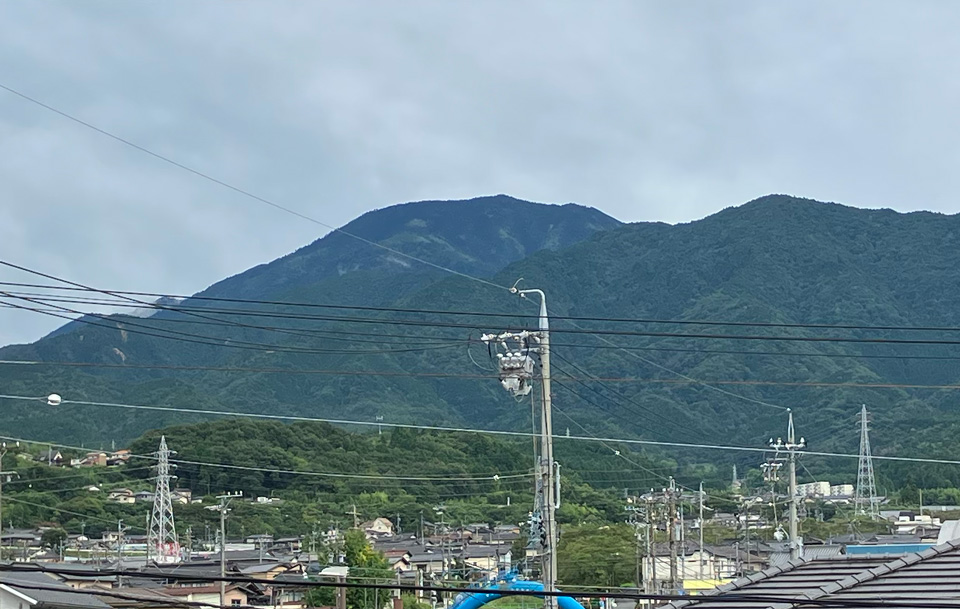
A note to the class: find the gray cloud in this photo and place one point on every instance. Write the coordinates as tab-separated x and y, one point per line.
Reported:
647	110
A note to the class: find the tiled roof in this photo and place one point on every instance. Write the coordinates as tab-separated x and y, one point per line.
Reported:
932	575
48	592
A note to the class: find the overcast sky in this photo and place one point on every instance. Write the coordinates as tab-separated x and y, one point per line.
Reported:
647	110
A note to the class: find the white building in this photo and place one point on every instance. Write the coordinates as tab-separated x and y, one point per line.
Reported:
814	489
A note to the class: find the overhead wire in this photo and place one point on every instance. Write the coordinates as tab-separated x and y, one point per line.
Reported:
701	322
211	340
242	191
447	478
472	430
577	329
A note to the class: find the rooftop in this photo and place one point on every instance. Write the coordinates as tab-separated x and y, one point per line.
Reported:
931	576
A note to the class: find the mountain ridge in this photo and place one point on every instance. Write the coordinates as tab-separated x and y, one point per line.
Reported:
777	258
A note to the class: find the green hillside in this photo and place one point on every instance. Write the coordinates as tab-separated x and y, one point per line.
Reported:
778	259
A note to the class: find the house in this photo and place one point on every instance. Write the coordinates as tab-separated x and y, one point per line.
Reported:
911	523
273	569
121	495
378	527
143	496
927	578
398	559
715	563
429	561
236	595
53	458
119	457
94	459
133	597
181	495
77	576
41	591
488	559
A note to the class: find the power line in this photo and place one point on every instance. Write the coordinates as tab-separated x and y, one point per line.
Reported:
700	322
522	434
457	375
597	332
242	191
908	602
203	339
495	476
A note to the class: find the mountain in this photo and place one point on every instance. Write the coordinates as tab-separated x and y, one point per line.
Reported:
776	260
476	237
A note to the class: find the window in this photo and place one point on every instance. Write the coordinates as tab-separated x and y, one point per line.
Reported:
235	602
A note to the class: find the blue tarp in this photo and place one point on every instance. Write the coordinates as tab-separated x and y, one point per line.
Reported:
889	548
499	588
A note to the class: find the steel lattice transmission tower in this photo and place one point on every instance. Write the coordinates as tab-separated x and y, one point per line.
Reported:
162	542
865	499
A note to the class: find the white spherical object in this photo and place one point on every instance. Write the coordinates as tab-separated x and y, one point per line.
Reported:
54	399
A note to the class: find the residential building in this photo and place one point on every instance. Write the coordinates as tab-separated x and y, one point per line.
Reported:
20	591
926	578
209	594
841	490
814	489
378	527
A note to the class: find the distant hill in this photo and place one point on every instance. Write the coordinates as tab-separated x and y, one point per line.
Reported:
777	259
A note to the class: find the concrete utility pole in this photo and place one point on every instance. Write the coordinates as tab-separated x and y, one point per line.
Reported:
791	446
671	501
652	547
516	374
356	516
223	509
4	475
700	527
120	531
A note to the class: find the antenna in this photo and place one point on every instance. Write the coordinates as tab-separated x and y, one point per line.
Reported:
162	540
865	497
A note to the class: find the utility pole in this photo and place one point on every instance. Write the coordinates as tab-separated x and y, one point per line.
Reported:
516	373
120	530
4	475
865	496
223	509
746	531
791	446
700	527
671	501
356	516
652	547
379	426
771	474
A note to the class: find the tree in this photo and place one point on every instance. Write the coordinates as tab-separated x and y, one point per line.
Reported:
366	565
54	539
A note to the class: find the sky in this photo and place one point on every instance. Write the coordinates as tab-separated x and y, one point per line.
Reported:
649	111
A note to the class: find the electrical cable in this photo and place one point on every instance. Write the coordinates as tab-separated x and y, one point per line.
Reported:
243	192
468	478
213	340
523	434
597	332
649	411
703	322
445	375
732	598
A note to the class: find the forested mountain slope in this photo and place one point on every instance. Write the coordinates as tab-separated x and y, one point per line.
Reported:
777	259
